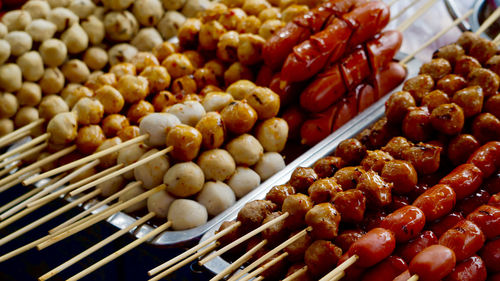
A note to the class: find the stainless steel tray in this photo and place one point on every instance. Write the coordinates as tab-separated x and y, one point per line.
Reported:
322	149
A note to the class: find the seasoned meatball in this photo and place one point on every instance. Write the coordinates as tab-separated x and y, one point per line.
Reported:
276	233
159	203
237	71
402	174
269	27
50	106
204	77
243	181
231	18
139	110
492	105
396	146
375	188
324	220
216	197
249	50
189	112
351	204
323	190
89	138
425	158
25	116
227	46
470	100
239	117
254	212
321	257
157	76
186	142
240	89
449	52
245	149
417	124
8	105
185	214
493	64
113	123
163	99
279	193
448	118
212	130
418	86
209	35
129	155
486	127
189	32
434	99
302	178
375	160
487	79
297	249
465	65
88	111
398	105
436	68
128	133
347	237
273	134
231	235
217	164
216	101
461	147
178	65
183	86
269	164
63	128
265	102
297	205
133	88
483	49
327	166
184	179
451	83
157	126
466	40
110	98
348	177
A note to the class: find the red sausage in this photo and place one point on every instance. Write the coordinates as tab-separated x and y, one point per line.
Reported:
495	200
353	272
406	223
464	180
289	93
433	263
367	20
388	269
347	109
383	48
403	276
487	218
474	201
355	68
491	255
374	247
327	88
487	158
465	238
471	269
347	237
442	225
388	78
294	117
318	127
492	185
264	77
366	96
436	201
413	247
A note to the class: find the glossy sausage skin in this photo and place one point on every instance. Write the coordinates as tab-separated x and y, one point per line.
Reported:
465	238
347	237
464	180
294	117
487	218
433	263
327	88
487	158
471	269
374	247
406	223
347	109
355	68
388	269
411	248
436	201
319	126
472	202
495	200
490	254
442	225
367	20
383	48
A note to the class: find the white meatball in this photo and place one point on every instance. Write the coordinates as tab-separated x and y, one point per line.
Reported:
151	173
159	203
111	186
94	28
3	30
82	8
146	39
243	181
129	155
41	30
31	65
4	51
184	179
157	125
8	105
216	101
134	192
188	112
186	214
121	53
170	24
16	20
217	164
148	12
37	9
216	197
76	39
245	149
192	7
117	5
11	78
173	4
63	128
273	134
62	18
269	164
53	52
20	42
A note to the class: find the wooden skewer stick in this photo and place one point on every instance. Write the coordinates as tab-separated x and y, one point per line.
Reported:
86	159
189	252
81	215
120	252
407	23
48	217
339	269
25	146
413	278
121	171
99	217
264	267
24	154
400	13
435	37
8	169
23	131
14	139
184	262
48	189
243	238
489	21
497	39
296	274
19	180
271	253
96	247
38	164
240	261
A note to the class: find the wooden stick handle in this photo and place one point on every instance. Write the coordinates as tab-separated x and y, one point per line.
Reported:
413	278
84	160
19	180
400	13
23	155
407	23
338	276
489	21
25	146
296	274
23	130
343	266
264	267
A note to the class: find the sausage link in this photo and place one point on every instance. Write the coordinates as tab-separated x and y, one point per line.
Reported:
465	238
442	225
471	269
487	218
464	180
388	269
411	248
487	158
436	201
433	263
405	223
373	247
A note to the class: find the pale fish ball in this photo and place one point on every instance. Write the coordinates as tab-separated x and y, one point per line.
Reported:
76	71
130	194
110	159
159	203
188	112
273	134
120	26
184	179
157	126
41	30
76	39
59	3
8	105
3	30
117	5
192	7
4	51
88	111
129	155
121	53
38	9
31	65
16	20
216	101
25	116
170	24
96	58
217	164
53	52
62	18
148	12
51	105
216	197
30	94
11	77
6	126
20	42
243	181
186	214
111	186
94	28
63	128
52	81
82	8
245	149
269	164
240	89
173	5
100	12
151	173
146	39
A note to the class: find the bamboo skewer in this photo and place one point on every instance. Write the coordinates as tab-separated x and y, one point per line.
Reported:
497	39
296	274
339	269
413	278
49	189
23	131
184	262
187	253
489	21
23	155
99	217
243	238
338	276
120	252
435	37
93	208
25	146
8	169
264	267
121	171
240	261
96	247
86	159
48	217
400	13
19	180
407	23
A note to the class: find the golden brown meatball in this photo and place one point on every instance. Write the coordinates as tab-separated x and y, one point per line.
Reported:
321	257
425	158
269	27
302	178
178	65
144	59
113	123
324	219
397	106
204	77
265	102
297	206
297	249
451	83
418	86
164	50
133	88
227	46
277	231
487	79
183	86
449	52
434	99
323	190
375	188
351	204
461	147
448	118
348	177
253	213
239	117
110	159
470	99
278	194
230	18
186	142
163	100
249	24
417	124
189	32
436	68
351	151
122	69
110	98
25	116
375	160
237	71
483	49
210	33
157	76
88	111
493	105
402	174
327	166
138	110
396	146
98	79
217	67
128	133
250	49
89	138
486	127
464	65
212	130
